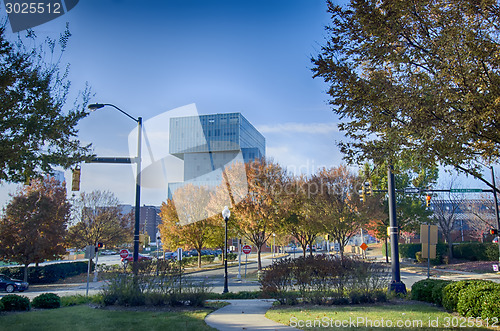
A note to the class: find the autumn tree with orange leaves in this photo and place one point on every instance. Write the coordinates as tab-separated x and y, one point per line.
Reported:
195	228
260	211
33	226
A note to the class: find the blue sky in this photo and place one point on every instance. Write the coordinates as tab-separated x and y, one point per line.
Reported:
148	57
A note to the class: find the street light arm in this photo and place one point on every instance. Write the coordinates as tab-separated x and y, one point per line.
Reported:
95	106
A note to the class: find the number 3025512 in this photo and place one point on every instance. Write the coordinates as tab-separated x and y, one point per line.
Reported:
33	8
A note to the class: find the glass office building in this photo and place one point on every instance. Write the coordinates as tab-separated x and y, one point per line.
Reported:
208	143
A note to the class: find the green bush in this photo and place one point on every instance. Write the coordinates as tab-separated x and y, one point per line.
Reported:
437	291
48	273
470	301
422	290
441	251
232	256
429	290
1	306
13	302
476	251
78	299
491	306
46	301
452	292
408	251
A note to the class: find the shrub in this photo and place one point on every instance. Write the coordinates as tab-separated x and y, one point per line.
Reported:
48	273
322	279
452	292
1	306
470	301
47	301
13	302
409	250
491	308
437	291
422	290
476	251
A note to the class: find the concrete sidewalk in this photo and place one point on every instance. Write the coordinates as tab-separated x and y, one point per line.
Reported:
244	315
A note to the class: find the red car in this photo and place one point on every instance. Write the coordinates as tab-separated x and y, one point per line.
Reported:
130	258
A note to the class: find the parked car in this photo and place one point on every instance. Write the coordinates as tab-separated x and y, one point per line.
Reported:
130	258
10	285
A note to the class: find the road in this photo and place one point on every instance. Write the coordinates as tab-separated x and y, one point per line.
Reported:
214	278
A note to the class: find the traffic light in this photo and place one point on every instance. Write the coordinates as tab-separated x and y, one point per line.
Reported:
75	184
427	200
494	231
368	188
100	245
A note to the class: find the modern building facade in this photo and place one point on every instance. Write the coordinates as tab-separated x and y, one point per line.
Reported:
209	142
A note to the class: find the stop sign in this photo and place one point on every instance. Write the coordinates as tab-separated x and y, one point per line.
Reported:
124	253
246	249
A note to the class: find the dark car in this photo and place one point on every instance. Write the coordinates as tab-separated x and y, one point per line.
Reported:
10	285
130	258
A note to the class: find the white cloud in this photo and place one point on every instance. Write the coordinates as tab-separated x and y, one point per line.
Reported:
310	128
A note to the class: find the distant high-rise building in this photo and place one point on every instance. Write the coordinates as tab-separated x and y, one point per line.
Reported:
209	142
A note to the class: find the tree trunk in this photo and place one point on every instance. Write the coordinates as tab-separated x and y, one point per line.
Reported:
199	259
25	278
450	246
259	263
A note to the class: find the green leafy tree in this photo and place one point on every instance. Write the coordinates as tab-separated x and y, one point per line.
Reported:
36	132
33	227
415	80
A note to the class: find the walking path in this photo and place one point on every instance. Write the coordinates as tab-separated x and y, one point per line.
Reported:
244	315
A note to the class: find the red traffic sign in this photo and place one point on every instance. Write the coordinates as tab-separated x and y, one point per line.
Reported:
246	249
124	253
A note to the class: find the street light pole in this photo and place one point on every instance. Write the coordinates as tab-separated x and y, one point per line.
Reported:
396	284
225	214
138	120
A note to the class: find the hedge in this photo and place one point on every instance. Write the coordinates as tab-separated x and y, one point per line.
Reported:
471	300
453	291
429	290
476	251
47	273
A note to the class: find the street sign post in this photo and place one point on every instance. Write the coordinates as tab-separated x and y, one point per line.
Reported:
124	253
412	190
246	249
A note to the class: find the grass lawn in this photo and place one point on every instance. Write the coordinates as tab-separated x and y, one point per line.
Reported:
402	315
84	317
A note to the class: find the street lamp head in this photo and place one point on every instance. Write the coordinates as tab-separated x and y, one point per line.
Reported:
226	213
95	106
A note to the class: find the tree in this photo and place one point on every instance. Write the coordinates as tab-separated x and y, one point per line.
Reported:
337	203
200	230
446	213
36	134
416	80
97	218
301	221
259	212
481	219
33	228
